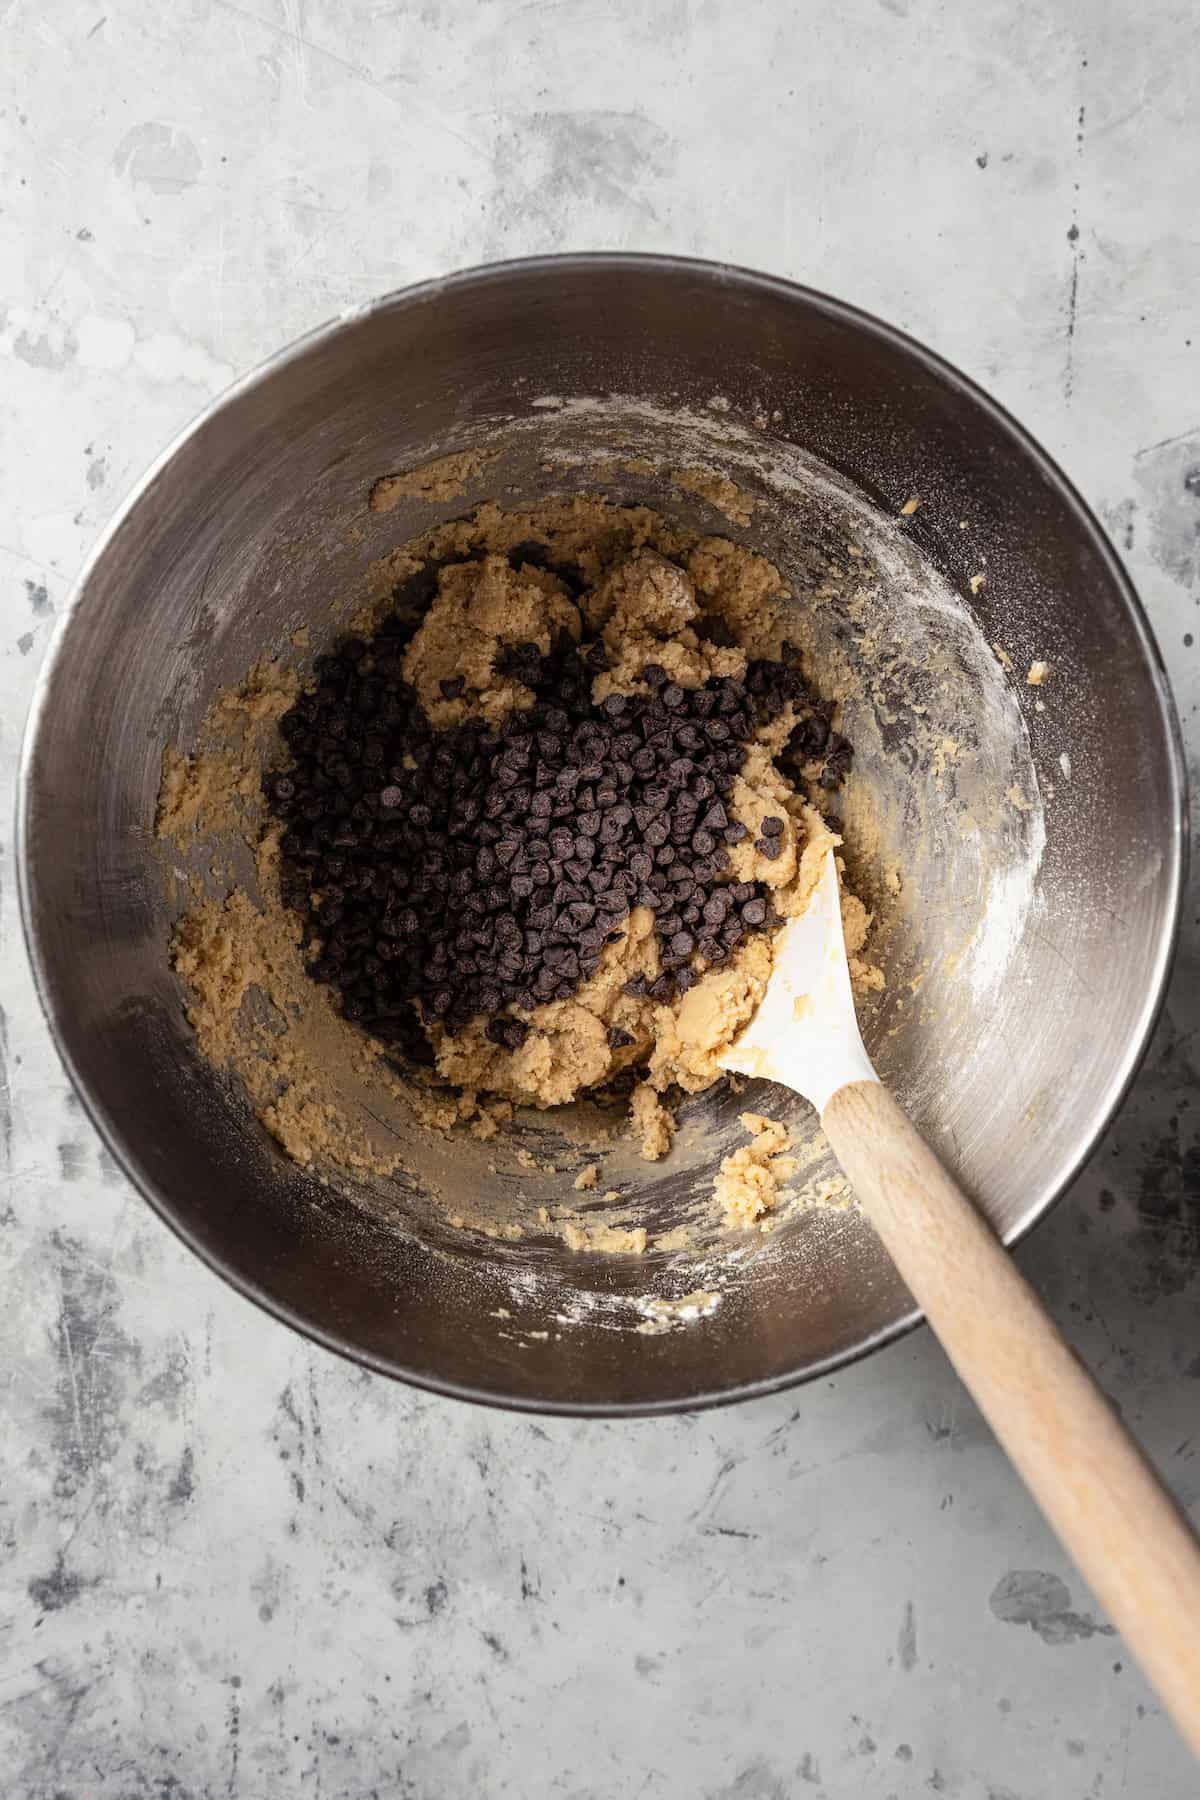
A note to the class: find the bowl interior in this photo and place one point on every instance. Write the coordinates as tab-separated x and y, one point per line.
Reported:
1021	843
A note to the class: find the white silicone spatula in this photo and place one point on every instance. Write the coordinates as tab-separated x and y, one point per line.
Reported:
1132	1544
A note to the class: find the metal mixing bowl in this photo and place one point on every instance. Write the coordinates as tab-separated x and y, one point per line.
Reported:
1012	1039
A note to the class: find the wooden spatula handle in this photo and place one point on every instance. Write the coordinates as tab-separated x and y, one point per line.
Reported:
1128	1538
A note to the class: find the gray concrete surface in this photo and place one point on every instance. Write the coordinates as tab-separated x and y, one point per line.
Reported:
232	1566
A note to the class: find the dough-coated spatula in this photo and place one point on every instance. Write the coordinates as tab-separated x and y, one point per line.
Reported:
1130	1541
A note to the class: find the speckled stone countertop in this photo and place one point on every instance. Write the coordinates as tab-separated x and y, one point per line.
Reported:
233	1566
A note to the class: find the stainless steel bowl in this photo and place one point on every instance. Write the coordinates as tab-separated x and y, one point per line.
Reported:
240	531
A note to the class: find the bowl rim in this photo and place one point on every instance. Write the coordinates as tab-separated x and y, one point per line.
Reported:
482	275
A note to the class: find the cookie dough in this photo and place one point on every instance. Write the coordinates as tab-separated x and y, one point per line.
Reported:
483	609
646	610
698	607
442	479
747	1186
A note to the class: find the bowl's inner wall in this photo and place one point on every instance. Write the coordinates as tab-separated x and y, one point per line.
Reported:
1034	967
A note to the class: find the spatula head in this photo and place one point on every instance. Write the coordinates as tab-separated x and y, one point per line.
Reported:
805	1033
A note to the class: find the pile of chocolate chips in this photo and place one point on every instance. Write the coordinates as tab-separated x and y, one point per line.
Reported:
476	870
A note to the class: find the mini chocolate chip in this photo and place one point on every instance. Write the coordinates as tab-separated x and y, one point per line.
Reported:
618	1039
770	847
771	827
452	689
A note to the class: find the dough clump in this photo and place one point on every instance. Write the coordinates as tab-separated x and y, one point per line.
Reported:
747	1186
483	609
